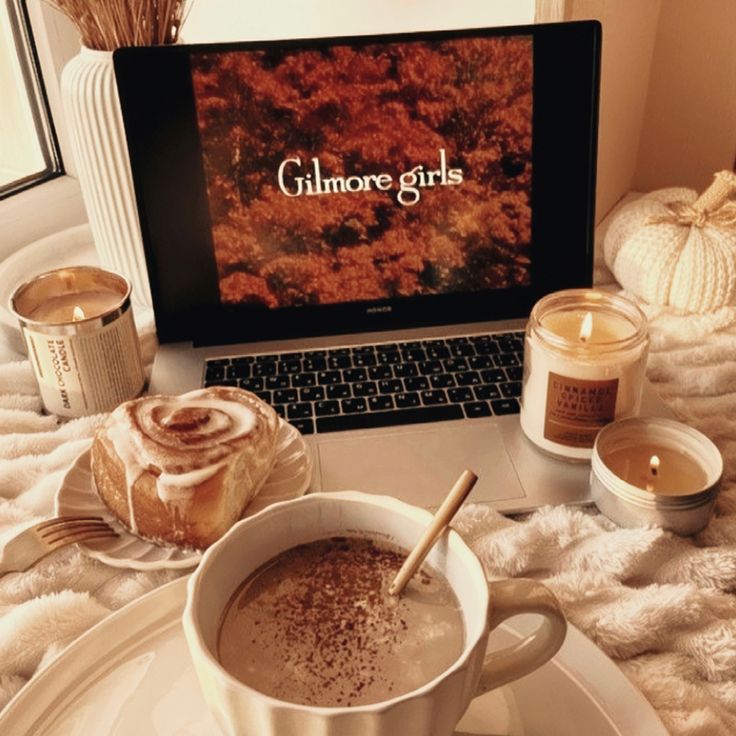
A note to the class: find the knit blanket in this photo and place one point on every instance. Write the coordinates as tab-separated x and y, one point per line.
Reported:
662	606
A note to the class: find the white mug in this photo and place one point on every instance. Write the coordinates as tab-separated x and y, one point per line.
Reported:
431	710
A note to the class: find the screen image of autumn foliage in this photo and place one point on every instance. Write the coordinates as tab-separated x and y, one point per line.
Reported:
367	172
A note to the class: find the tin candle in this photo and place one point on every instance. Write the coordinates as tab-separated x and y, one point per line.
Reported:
654	467
78	325
651	470
584	364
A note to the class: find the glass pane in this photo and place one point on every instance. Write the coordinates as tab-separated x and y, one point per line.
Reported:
27	154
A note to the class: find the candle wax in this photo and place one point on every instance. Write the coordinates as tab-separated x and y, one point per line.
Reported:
678	474
607	327
60	308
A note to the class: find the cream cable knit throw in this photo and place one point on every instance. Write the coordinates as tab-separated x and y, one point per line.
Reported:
663	607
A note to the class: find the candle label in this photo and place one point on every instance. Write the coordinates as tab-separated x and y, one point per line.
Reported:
577	409
87	372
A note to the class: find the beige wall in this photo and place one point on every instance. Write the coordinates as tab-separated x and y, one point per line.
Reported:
689	129
668	93
629	35
222	20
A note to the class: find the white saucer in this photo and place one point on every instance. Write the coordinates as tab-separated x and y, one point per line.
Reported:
289	478
132	674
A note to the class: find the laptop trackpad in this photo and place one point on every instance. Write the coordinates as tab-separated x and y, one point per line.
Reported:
420	465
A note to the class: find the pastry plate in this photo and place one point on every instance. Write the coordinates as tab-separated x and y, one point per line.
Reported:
132	674
289	478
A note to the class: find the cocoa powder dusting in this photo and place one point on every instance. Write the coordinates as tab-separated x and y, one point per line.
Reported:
317	626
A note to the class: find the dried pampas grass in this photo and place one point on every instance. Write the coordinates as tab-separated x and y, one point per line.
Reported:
109	24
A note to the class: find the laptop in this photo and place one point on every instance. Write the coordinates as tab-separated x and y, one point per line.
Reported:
356	229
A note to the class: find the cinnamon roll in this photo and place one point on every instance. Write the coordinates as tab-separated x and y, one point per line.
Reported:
181	469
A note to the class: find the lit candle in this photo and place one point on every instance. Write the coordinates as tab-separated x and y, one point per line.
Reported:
657	469
78	325
652	470
588	327
76	306
584	364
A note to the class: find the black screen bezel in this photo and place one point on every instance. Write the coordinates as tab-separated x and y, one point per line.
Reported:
158	108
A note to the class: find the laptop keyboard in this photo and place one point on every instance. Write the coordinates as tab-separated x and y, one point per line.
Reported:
384	384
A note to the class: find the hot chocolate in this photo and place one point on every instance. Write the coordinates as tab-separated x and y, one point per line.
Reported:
316	625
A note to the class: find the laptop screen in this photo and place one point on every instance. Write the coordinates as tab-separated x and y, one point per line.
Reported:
359	173
327	185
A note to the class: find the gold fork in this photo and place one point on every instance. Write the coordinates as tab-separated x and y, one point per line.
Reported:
36	542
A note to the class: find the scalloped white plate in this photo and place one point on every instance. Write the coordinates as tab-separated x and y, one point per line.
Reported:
289	478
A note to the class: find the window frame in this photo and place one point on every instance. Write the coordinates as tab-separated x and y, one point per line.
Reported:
59	197
33	81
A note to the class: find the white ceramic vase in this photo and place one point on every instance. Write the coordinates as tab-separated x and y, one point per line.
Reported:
92	109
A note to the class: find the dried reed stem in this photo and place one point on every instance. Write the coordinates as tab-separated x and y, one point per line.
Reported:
109	24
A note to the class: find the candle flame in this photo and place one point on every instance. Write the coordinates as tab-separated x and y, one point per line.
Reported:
586	328
654	465
78	314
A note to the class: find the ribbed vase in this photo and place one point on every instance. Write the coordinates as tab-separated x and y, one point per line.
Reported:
95	123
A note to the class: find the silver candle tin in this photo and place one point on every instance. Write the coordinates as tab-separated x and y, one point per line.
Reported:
631	506
82	365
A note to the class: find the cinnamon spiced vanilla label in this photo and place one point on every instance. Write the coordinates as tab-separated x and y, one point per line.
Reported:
578	408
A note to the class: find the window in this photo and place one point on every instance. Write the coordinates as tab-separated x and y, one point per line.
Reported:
28	150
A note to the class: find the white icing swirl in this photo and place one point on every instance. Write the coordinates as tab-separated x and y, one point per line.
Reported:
183	441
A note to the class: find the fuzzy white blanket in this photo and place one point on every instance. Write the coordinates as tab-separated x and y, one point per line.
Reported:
662	606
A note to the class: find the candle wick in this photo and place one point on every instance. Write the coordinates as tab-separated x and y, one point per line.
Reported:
654	466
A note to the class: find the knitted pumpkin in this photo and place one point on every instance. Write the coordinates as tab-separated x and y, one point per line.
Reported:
671	247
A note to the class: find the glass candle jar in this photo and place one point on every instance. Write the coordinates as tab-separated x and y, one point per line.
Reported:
585	355
82	343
